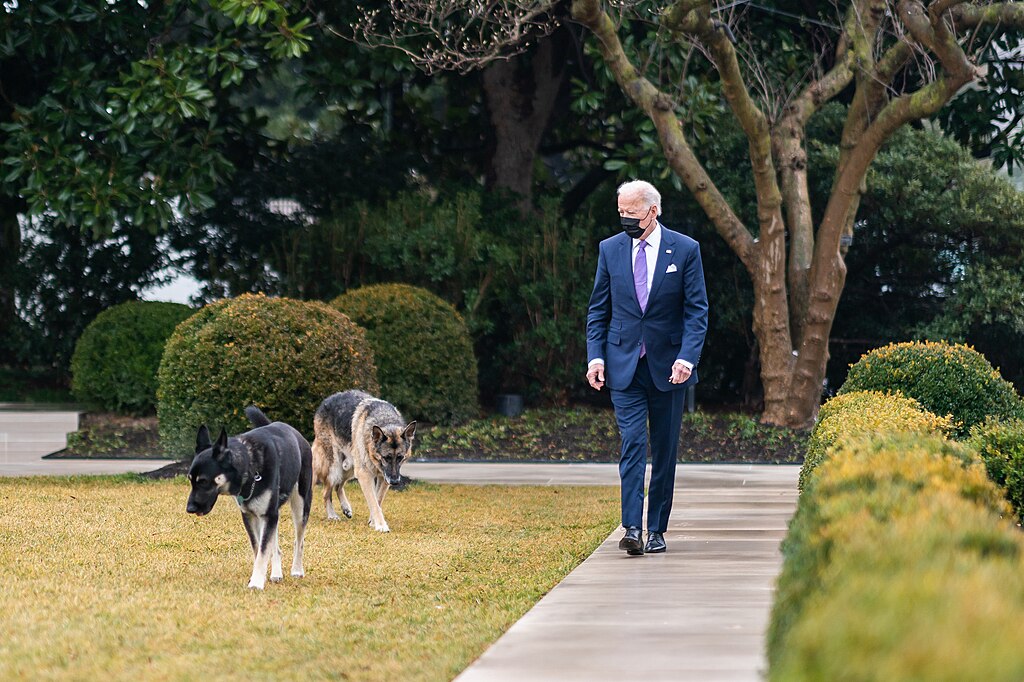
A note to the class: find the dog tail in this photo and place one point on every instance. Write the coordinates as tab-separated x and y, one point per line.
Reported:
256	416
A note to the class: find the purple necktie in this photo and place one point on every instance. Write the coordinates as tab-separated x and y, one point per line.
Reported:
640	276
640	283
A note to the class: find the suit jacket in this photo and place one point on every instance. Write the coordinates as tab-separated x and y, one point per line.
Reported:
674	324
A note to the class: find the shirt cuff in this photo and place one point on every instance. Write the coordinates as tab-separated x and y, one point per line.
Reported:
595	361
687	365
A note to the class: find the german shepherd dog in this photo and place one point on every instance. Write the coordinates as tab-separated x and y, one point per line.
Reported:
263	468
362	436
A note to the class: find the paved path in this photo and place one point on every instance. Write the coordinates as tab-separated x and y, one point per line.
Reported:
26	435
697	612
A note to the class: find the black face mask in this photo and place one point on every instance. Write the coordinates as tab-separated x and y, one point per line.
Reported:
631	226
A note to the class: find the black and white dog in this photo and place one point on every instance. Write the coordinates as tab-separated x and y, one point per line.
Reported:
263	468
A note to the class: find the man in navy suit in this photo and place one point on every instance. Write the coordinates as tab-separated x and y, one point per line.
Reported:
645	331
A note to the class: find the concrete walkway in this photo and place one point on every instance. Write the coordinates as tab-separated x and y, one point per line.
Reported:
698	612
27	435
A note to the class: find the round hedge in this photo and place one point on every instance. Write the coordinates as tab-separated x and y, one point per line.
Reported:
1001	446
946	379
424	352
117	356
865	412
282	355
866	482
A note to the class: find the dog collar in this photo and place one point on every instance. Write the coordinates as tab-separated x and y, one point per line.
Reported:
256	479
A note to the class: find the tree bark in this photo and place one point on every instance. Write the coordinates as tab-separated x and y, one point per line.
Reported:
520	94
792	327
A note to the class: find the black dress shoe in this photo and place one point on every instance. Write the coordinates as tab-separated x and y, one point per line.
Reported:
631	542
655	543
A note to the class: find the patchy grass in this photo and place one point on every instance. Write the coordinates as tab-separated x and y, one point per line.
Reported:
110	579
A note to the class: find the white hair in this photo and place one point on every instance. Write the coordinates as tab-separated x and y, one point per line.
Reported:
643	189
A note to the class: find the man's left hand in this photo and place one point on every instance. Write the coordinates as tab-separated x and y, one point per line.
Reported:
680	373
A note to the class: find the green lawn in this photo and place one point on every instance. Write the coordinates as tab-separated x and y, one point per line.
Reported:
111	579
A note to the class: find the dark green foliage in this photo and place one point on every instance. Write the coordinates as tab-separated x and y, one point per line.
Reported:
1001	446
423	351
117	357
945	379
282	355
65	278
986	310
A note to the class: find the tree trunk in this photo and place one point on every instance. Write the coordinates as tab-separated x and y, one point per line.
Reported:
520	95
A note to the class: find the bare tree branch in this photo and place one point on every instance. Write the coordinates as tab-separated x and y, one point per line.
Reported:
660	109
455	35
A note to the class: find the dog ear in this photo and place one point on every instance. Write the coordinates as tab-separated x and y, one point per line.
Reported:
378	434
410	430
202	439
221	446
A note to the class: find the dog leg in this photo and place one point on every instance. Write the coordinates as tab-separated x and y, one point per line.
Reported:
382	489
367	483
298	503
252	529
328	502
268	529
276	574
346	508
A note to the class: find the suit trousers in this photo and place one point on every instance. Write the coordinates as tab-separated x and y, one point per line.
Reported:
637	407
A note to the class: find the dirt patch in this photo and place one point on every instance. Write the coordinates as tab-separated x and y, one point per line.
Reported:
105	435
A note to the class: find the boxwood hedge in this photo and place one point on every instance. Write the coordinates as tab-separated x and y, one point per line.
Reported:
282	355
423	350
865	412
946	379
117	356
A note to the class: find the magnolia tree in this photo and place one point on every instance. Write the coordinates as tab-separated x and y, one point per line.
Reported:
894	62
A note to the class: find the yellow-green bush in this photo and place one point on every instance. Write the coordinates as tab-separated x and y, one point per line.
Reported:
117	356
863	413
864	485
1001	446
423	351
946	379
282	355
934	593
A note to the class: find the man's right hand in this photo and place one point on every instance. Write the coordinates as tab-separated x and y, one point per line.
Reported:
595	376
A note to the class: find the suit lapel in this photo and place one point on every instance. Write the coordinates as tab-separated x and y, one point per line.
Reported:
665	253
625	260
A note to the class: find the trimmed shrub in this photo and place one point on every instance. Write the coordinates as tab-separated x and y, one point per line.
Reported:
863	485
1001	446
865	413
946	379
935	594
423	350
282	355
117	356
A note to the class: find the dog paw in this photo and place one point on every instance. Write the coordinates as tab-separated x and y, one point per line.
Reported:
276	578
335	517
298	574
347	513
254	585
383	528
